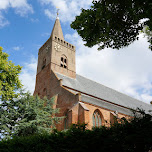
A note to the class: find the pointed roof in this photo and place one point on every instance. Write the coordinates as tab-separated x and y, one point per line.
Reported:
57	30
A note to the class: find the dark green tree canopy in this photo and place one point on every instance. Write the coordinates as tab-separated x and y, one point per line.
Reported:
27	115
128	136
114	23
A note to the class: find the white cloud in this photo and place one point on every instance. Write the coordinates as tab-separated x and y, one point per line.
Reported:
127	70
34	20
28	75
48	13
20	7
3	21
68	8
17	48
4	4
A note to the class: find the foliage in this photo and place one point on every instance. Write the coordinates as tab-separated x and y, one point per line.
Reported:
114	23
27	115
148	34
9	77
129	136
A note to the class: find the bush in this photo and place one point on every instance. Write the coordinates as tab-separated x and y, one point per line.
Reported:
127	136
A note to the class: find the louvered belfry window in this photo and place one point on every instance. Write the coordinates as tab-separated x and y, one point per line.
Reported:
96	119
64	62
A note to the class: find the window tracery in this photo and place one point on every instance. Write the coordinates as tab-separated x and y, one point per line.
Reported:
97	121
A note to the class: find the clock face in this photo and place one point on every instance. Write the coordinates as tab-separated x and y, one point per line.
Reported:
58	47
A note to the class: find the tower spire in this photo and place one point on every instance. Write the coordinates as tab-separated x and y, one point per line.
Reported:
57	30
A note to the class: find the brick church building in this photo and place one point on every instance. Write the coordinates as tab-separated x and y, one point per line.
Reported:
79	99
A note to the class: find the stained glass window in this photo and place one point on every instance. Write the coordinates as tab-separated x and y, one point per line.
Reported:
96	119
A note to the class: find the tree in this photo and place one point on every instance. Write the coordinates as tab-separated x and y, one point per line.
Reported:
20	113
27	115
148	34
9	83
114	23
9	77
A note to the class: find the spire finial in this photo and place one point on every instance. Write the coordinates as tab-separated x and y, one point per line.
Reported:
57	12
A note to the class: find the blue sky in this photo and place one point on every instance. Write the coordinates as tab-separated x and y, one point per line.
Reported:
26	24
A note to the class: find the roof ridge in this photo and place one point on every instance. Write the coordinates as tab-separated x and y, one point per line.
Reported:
134	100
113	89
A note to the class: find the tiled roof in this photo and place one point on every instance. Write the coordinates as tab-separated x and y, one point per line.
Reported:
102	103
94	89
105	105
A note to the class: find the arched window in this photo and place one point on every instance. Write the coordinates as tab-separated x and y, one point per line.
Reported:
63	61
97	121
66	121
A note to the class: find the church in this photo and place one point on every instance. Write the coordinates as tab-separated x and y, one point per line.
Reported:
79	99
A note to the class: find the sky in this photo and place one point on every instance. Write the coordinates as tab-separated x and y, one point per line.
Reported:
25	25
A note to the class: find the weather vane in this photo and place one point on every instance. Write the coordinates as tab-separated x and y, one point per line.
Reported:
57	11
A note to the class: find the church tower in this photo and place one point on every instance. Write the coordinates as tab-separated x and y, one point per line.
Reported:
56	55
